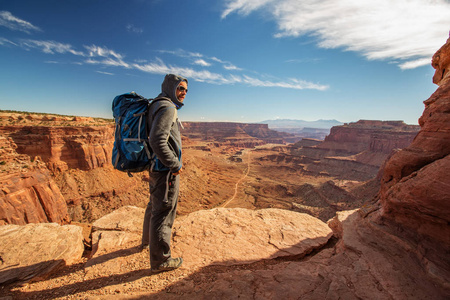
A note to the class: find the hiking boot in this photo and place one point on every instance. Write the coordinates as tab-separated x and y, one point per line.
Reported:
168	265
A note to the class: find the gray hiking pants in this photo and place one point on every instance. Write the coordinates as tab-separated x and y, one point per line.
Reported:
159	215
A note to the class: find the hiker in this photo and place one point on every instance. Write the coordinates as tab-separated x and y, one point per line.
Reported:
164	179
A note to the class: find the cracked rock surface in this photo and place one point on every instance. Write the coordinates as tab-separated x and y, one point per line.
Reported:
284	255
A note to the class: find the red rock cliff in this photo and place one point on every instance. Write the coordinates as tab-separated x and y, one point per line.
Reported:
375	136
28	194
235	134
63	148
31	155
415	184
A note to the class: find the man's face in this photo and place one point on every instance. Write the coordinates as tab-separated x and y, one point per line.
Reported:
181	91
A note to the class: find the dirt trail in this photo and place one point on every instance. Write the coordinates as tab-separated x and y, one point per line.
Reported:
240	180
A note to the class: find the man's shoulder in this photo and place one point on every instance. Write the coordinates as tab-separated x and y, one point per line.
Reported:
159	104
163	108
162	102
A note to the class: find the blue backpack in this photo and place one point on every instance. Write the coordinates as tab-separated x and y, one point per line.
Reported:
131	151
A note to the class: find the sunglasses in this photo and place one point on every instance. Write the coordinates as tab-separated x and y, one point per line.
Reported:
182	89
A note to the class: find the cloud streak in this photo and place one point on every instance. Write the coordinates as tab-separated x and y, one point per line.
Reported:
5	42
202	62
50	47
14	23
405	31
105	57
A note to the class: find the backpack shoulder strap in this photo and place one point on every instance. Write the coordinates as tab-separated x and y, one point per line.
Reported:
175	116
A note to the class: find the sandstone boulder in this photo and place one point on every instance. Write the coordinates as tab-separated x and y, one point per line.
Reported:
224	236
34	250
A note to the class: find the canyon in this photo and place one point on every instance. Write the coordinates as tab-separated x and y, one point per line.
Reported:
362	214
57	168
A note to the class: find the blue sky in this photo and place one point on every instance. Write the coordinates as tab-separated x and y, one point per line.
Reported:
246	60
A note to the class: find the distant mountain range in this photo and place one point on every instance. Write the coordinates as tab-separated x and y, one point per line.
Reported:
288	123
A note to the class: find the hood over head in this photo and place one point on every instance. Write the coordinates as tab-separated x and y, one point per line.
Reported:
169	86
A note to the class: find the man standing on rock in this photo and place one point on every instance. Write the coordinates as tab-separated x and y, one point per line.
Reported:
165	141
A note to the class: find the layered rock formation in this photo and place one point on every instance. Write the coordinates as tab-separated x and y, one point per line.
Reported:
28	193
62	142
356	150
234	134
415	185
63	148
370	135
57	168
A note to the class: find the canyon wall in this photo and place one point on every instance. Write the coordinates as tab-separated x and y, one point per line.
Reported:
28	193
233	134
64	148
415	183
354	151
55	168
370	135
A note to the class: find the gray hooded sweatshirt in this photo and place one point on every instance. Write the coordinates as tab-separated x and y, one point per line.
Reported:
164	132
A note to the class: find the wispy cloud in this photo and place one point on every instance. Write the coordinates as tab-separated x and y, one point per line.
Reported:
102	51
231	67
159	67
106	73
182	53
226	64
202	62
244	7
14	23
290	84
407	31
105	57
5	42
50	47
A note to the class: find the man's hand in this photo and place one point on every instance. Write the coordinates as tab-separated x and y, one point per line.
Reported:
178	172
